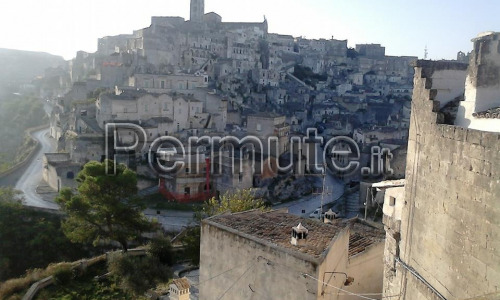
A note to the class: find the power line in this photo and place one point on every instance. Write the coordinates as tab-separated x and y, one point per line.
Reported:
220	274
345	291
223	294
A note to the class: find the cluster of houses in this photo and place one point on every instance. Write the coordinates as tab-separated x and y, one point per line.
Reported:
205	77
208	78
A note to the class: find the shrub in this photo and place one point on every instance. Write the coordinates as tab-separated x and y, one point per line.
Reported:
138	274
63	274
161	249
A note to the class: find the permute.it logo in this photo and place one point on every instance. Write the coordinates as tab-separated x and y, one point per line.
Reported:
167	155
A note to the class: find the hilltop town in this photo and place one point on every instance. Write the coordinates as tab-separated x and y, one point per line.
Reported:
206	77
203	108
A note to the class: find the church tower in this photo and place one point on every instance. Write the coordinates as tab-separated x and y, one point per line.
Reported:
197	10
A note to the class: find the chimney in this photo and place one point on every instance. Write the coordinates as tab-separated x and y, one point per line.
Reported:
299	235
330	216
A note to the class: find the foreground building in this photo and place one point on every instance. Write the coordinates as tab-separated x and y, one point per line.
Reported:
443	228
275	255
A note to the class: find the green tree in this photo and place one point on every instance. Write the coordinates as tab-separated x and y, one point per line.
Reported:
192	245
238	201
30	238
24	113
10	195
105	207
161	249
138	274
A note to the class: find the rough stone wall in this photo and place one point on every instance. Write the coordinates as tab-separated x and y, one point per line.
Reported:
392	226
482	87
239	268
450	226
366	269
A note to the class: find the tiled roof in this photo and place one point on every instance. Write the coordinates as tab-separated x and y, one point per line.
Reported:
266	115
181	283
492	113
275	227
363	236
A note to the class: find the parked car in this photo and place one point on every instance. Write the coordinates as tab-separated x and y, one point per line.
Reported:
316	214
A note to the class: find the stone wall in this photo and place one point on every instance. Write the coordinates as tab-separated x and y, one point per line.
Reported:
239	267
366	269
482	86
450	224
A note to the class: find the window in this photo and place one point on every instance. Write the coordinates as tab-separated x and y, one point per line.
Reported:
162	84
259	127
240	177
187	191
187	170
392	201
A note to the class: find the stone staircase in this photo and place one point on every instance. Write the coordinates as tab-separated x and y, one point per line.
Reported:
351	208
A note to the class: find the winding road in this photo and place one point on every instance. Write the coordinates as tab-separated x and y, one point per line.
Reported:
334	189
32	175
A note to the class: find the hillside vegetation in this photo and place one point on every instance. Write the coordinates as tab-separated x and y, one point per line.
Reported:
30	239
23	66
16	115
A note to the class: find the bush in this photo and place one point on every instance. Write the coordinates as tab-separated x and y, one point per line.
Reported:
63	274
161	249
138	274
24	232
192	243
12	286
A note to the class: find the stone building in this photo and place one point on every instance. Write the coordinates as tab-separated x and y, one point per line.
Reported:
481	107
190	183
443	235
164	113
179	289
59	171
375	51
169	82
232	172
366	136
275	255
265	125
197	10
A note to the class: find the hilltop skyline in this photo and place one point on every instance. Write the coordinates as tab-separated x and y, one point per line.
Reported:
404	29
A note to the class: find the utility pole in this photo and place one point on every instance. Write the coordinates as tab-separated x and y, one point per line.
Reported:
324	190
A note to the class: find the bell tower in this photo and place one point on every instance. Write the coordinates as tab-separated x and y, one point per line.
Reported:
197	10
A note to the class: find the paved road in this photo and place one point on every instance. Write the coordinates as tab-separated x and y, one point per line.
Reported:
171	220
32	176
334	189
12	179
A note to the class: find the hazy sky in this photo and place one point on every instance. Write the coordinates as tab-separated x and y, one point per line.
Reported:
404	27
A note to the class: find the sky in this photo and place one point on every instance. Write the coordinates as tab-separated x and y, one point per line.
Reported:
62	27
